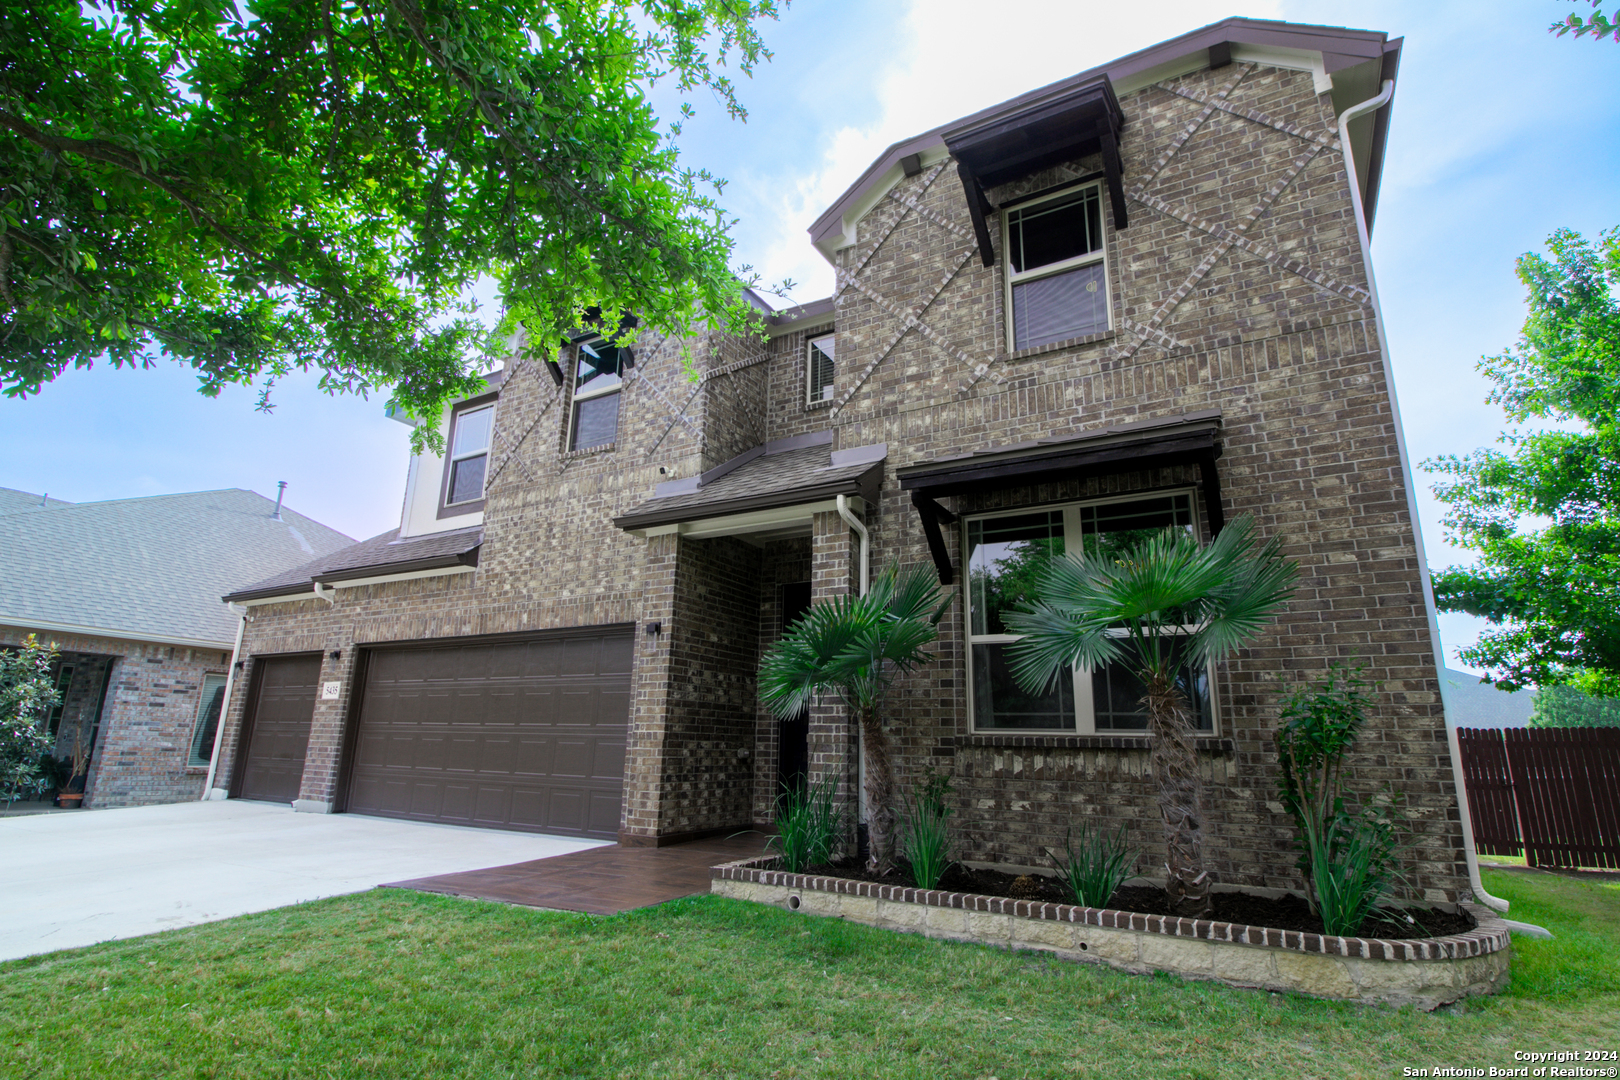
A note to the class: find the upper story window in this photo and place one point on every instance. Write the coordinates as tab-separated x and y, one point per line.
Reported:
599	372
819	368
471	425
1006	555
1057	275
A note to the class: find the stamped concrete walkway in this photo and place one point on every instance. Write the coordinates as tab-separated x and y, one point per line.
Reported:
602	881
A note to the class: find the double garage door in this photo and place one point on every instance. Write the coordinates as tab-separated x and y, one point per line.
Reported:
509	735
525	735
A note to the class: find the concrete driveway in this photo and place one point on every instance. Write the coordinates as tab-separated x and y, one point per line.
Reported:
96	875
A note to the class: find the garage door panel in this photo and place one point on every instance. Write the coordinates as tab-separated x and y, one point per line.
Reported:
273	758
521	735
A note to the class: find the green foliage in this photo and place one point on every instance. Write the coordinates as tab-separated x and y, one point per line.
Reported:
1094	872
808	825
254	187
1565	706
1598	25
927	839
1353	867
855	646
27	695
1553	590
1175	601
1348	856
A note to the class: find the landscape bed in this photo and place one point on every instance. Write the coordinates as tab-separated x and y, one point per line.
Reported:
1427	972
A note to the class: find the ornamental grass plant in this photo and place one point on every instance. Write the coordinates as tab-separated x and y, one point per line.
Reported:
927	839
1096	869
808	825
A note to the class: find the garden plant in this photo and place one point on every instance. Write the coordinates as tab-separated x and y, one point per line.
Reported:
1157	606
855	647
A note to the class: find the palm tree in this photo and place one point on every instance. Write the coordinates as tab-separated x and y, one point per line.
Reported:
1157	606
855	646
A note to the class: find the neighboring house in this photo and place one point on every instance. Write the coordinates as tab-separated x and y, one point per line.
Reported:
1132	299
1474	704
128	590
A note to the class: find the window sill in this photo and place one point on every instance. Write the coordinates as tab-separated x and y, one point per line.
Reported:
591	451
1206	743
824	403
1058	346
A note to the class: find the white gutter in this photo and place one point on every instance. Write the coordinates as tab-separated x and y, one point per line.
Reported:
225	702
328	594
866	543
28	622
1353	112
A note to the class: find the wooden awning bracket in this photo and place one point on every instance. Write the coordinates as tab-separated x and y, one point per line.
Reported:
978	208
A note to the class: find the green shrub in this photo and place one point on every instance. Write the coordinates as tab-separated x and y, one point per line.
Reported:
927	840
1094	871
808	824
1348	855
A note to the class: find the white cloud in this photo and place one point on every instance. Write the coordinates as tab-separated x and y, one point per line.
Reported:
951	61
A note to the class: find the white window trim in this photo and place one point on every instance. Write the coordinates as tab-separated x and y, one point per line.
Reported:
579	394
1090	258
1085	713
809	370
454	458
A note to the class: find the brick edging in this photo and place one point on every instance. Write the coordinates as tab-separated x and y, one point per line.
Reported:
1491	935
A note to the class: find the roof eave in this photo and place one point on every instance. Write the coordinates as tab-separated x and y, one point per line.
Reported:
863	484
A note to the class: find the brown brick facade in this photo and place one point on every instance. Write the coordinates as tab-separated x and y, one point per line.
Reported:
1238	287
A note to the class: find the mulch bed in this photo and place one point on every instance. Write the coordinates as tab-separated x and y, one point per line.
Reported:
1283	913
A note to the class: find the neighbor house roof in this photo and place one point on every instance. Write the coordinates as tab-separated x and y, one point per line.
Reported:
382	555
13	501
1471	703
149	569
1349	63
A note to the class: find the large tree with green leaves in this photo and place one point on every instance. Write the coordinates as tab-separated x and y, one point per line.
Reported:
1543	511
855	647
1157	606
253	186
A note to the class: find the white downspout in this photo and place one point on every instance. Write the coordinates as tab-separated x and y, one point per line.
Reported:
225	703
1354	111
326	593
866	543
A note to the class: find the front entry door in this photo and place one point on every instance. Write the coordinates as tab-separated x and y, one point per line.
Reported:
278	733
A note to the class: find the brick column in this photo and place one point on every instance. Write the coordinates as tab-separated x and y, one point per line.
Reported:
834	572
318	791
649	694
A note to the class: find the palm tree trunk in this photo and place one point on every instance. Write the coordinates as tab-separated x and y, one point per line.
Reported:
1180	790
880	812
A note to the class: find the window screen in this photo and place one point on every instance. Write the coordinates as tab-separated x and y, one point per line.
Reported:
469	454
208	710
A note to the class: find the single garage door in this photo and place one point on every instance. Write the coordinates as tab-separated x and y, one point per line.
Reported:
508	735
272	768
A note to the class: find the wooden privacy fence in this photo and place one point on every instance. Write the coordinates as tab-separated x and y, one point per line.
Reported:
1553	793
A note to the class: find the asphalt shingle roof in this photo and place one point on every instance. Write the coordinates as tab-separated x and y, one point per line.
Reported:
13	501
784	478
153	567
382	554
1471	703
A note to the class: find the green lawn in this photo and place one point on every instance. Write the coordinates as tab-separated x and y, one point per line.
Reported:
398	984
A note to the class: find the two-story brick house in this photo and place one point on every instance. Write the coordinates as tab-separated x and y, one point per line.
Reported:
1136	298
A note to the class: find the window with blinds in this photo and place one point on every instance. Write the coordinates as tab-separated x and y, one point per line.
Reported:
1057	273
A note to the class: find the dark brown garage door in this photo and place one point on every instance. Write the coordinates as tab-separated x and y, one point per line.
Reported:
508	735
278	732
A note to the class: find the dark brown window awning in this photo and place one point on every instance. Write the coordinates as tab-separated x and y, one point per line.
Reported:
1084	120
1193	438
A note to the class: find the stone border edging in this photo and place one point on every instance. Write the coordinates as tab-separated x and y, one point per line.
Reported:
1491	935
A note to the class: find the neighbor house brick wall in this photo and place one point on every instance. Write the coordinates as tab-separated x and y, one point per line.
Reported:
148	718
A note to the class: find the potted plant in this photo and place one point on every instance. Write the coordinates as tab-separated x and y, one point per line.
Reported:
72	794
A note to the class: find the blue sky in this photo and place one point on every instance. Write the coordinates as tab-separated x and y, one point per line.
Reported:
1500	134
